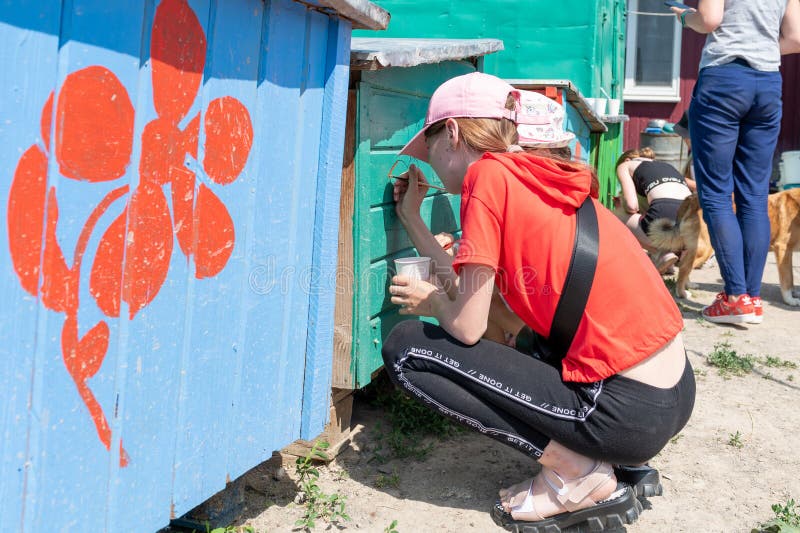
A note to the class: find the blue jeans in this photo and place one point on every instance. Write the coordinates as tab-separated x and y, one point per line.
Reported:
734	122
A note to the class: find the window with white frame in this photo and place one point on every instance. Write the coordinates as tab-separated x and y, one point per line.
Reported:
653	53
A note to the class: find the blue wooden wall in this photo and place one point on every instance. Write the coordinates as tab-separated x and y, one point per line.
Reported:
193	151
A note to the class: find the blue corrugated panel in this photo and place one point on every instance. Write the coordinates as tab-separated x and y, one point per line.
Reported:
326	225
193	150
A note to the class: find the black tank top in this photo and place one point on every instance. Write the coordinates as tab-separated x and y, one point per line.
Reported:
652	173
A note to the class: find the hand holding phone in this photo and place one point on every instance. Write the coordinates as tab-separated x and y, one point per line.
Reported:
673	3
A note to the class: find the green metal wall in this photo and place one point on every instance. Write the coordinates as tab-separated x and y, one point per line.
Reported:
577	40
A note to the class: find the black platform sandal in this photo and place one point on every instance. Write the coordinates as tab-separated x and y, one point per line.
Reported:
644	480
611	514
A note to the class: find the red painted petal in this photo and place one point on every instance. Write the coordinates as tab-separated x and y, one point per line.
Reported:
83	357
105	280
183	181
215	234
47	121
59	289
25	217
161	149
149	246
178	51
229	136
191	135
94	126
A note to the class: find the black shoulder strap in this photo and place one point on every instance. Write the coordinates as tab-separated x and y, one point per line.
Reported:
578	284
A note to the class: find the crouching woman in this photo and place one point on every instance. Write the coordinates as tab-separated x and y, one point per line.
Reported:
624	387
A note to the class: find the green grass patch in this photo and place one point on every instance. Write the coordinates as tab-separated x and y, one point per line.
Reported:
412	425
728	362
777	362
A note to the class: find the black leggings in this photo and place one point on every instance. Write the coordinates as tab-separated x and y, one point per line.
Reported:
660	208
522	401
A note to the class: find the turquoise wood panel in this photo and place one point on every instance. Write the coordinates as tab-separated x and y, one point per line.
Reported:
159	366
392	104
383	234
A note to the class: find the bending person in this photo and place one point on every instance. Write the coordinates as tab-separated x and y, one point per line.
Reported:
624	387
663	186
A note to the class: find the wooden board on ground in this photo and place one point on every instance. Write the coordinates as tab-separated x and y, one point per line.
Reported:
338	431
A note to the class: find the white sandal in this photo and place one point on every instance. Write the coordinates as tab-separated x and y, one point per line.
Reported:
574	497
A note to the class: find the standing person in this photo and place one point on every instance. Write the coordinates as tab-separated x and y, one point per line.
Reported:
664	187
624	387
734	121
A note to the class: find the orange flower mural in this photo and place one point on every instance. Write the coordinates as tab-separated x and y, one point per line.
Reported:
93	142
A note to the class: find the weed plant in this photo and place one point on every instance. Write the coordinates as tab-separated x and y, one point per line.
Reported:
671	283
392	480
725	358
317	504
777	362
786	520
411	424
391	528
729	362
735	440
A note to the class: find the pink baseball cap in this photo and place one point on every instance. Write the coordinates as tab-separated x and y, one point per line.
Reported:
474	95
541	122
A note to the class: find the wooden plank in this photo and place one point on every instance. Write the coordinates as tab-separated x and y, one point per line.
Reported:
320	344
343	314
384	234
375	187
420	81
370	338
337	431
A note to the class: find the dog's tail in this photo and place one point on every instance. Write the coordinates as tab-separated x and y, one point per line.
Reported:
665	234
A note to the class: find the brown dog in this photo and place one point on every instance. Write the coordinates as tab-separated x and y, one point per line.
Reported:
691	234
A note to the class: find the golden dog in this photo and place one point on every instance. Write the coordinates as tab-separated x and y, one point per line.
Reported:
690	233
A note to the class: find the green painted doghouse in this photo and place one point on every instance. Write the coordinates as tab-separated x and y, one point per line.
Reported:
391	83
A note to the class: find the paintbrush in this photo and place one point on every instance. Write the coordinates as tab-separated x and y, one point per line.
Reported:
404	177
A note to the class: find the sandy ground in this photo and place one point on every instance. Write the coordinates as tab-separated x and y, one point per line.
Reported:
709	485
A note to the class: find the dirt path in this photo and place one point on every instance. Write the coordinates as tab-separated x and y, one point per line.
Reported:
709	484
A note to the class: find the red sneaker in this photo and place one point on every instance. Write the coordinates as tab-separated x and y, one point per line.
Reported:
724	312
758	311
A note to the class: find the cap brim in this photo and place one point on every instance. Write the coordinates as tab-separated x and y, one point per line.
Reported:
563	140
416	147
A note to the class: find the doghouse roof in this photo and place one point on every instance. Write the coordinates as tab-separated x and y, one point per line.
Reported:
375	54
364	15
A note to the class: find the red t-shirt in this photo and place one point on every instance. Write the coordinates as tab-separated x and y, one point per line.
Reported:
517	216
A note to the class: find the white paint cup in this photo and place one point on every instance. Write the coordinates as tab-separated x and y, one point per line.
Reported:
600	106
414	267
592	103
613	106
